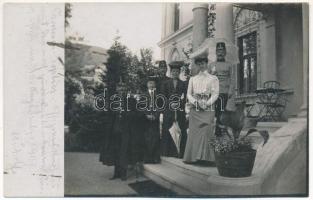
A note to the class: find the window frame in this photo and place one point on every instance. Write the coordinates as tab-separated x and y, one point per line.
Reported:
241	64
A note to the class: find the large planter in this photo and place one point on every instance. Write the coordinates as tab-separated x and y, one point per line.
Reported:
235	164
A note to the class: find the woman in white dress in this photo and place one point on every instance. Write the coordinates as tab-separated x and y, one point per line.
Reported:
203	91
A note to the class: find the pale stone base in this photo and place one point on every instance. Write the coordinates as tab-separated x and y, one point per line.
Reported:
280	168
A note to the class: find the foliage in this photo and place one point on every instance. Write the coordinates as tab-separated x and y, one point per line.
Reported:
120	59
226	144
231	141
211	20
68	14
125	66
73	87
139	70
86	124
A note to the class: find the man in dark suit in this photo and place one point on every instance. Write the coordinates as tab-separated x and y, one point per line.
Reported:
175	92
151	122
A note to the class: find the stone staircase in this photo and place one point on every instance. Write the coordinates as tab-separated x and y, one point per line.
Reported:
182	178
271	127
186	179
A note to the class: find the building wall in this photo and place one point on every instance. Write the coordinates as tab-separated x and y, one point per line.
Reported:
185	15
279	43
172	49
289	55
168	19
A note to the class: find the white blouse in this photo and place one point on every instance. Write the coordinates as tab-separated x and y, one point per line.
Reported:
203	82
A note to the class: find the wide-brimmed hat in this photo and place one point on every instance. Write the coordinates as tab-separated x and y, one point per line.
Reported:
176	64
201	59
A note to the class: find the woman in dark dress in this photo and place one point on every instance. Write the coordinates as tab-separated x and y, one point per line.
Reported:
123	142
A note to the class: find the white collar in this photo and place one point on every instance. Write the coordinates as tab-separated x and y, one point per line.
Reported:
203	73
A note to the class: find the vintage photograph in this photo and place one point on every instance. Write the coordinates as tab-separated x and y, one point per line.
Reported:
159	99
186	99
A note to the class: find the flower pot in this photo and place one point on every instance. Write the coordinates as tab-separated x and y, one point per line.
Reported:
235	164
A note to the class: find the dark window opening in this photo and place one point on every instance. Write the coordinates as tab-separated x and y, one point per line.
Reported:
248	63
176	17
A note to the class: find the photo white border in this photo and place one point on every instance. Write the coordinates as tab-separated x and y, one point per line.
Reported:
76	1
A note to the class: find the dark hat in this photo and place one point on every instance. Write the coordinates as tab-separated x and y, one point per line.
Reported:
220	45
162	63
152	78
201	59
176	64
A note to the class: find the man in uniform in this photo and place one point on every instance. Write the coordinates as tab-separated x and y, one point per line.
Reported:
224	72
162	76
175	92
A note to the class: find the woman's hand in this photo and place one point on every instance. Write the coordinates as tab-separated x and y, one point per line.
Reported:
203	105
151	117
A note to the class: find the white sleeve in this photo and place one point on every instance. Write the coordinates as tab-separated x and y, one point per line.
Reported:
214	91
190	92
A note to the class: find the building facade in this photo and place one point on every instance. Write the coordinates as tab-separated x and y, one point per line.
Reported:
272	41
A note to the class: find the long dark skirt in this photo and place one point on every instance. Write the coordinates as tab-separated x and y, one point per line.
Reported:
167	144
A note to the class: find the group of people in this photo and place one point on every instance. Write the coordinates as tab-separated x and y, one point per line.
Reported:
141	134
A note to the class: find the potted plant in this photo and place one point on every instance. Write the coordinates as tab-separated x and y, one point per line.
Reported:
234	154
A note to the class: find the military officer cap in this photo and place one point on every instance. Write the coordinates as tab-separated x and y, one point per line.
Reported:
176	64
220	45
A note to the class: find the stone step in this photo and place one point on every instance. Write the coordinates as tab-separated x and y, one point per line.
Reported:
176	177
270	162
271	124
173	179
196	171
271	127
